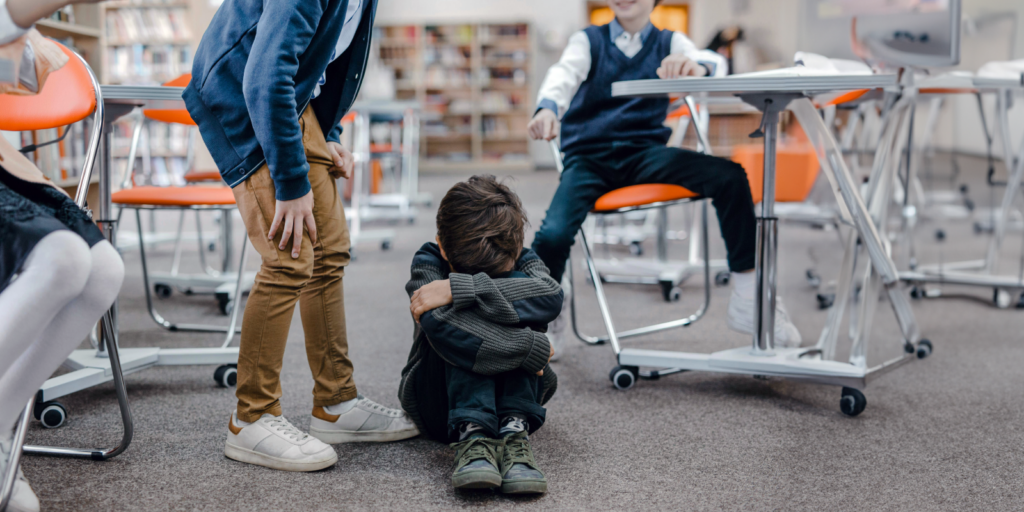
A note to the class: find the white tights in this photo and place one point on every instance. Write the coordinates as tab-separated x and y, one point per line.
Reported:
48	310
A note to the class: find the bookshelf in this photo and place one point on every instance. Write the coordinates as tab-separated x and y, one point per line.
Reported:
473	83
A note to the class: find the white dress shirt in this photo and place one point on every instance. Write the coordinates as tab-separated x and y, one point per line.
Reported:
8	30
565	77
353	15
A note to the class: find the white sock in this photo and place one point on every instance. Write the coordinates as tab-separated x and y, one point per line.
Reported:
514	424
744	284
240	423
341	408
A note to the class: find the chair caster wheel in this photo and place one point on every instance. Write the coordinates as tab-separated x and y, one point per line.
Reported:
226	375
825	300
623	377
917	293
722	278
670	292
924	349
162	290
1001	298
212	247
1020	301
385	245
225	304
852	402
50	414
813	279
636	249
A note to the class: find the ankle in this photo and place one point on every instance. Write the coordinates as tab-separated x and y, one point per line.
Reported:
342	407
512	424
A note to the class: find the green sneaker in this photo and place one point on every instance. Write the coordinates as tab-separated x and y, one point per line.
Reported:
476	463
519	471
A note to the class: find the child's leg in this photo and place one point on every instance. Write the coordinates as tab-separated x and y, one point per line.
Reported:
518	395
583	181
724	181
471	400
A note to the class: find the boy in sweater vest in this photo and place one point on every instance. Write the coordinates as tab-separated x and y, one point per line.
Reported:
610	143
478	371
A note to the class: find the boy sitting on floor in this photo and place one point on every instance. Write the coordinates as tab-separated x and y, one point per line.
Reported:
478	371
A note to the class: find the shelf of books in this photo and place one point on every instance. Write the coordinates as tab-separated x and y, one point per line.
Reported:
473	83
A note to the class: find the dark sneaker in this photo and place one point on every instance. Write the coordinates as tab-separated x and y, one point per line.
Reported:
519	471
476	463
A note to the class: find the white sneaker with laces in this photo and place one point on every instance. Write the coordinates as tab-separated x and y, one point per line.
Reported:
365	421
741	312
556	329
273	442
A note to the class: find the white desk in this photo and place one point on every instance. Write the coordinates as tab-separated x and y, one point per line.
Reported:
772	95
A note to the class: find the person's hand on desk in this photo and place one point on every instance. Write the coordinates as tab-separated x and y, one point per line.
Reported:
543	126
678	65
295	214
344	162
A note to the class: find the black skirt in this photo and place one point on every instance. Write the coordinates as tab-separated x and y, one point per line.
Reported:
30	211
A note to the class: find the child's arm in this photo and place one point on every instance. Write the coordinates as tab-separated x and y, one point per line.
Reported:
560	85
468	340
536	299
685	59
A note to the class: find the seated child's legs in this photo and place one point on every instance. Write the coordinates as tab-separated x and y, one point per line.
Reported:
471	400
518	395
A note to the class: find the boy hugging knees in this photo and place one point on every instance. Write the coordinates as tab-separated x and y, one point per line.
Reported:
478	372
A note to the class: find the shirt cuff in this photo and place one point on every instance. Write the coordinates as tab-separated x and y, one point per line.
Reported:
548	104
463	290
8	30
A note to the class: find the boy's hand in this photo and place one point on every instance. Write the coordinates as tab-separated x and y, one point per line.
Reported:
543	126
295	214
344	162
552	354
678	65
431	296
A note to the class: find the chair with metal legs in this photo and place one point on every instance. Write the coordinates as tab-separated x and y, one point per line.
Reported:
71	94
639	198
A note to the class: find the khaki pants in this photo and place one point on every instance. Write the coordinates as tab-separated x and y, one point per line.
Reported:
314	279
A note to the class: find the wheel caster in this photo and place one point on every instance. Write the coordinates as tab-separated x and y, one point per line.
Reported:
623	377
1001	298
162	290
50	414
225	304
852	402
917	293
670	292
385	245
940	235
924	349
226	375
1020	301
212	247
813	279
722	278
825	300
636	249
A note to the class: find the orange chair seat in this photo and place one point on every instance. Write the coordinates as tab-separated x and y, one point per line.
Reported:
796	169
640	195
197	176
175	196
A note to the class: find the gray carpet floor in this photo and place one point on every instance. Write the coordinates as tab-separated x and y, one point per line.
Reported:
939	434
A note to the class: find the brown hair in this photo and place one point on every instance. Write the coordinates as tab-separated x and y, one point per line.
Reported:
481	225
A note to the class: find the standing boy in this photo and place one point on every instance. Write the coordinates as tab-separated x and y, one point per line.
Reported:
610	143
478	372
271	81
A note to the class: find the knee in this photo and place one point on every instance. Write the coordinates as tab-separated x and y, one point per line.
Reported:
106	275
554	237
731	177
64	259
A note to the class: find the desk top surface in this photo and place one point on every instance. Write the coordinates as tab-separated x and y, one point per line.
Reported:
753	84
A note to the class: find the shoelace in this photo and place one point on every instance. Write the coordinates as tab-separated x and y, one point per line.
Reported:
516	450
477	448
378	407
282	425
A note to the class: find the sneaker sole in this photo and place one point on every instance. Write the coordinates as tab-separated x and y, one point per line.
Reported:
480	479
267	461
524	487
371	436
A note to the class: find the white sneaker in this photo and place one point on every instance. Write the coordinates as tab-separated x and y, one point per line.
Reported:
556	329
366	421
273	442
741	319
22	497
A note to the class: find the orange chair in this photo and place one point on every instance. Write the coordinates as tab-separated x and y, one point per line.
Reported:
70	94
197	198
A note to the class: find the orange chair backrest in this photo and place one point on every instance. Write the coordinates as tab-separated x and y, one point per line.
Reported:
67	97
796	169
173	115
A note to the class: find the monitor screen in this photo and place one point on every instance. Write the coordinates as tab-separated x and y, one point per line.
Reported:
843	8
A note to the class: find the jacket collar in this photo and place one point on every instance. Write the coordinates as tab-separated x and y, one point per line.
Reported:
616	30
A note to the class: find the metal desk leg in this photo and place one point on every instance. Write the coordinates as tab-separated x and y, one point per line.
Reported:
1015	172
122	401
14	458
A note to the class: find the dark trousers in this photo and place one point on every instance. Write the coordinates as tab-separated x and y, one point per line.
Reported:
447	396
591	173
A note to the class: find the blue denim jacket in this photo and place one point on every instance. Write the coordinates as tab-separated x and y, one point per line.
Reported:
253	75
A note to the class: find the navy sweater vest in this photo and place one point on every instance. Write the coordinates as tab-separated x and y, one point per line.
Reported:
595	118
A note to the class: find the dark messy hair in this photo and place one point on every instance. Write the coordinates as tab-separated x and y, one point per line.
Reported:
656	2
481	225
